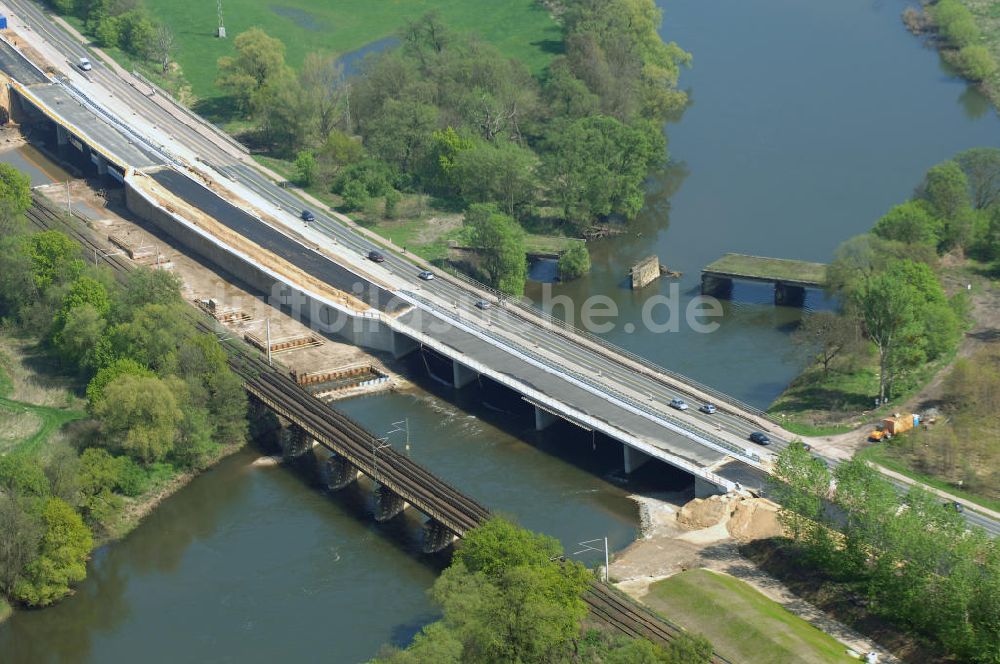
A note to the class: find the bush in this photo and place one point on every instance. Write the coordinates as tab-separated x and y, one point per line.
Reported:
574	262
976	63
305	168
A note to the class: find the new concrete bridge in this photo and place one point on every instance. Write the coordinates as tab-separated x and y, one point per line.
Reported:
198	187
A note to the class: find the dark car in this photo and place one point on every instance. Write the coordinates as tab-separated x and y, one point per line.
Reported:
958	507
483	304
376	256
307	215
759	438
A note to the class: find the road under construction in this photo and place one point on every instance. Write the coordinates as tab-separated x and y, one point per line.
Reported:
399	481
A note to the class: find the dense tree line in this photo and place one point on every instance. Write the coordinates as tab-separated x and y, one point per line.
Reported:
505	598
448	115
161	397
912	557
124	24
887	281
958	28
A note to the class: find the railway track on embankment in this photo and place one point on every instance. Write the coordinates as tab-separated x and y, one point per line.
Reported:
342	435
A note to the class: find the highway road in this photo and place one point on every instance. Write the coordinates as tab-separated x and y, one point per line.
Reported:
450	299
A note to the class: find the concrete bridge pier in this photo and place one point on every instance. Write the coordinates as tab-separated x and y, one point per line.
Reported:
461	375
437	537
544	419
100	163
789	296
387	504
340	473
294	441
62	136
403	345
633	458
715	286
703	488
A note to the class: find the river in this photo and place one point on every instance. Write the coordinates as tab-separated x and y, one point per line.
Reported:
808	121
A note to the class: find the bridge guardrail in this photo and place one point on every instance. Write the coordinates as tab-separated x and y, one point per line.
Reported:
528	309
631	401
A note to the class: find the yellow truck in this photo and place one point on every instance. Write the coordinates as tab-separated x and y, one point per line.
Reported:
893	426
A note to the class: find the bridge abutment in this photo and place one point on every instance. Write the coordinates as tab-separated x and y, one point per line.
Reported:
633	458
461	375
340	473
703	488
437	537
388	504
402	345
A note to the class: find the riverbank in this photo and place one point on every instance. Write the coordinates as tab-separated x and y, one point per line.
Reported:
681	536
982	69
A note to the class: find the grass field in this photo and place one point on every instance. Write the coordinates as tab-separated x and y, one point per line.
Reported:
519	28
742	624
27	427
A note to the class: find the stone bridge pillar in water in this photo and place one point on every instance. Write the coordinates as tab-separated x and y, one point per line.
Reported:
294	441
339	472
437	537
719	287
388	505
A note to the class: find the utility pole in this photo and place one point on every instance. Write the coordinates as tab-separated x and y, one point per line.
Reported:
221	33
69	201
405	422
267	331
588	546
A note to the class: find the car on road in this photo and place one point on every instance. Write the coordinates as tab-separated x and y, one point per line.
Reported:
376	256
307	216
759	438
483	304
678	404
708	408
958	507
84	64
426	275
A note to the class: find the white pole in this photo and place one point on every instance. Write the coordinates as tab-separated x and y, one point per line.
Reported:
69	201
605	560
267	327
407	420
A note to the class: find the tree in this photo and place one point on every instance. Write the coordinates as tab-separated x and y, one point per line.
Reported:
305	168
499	545
596	167
888	309
15	188
145	286
502	172
19	474
163	46
259	59
81	331
138	33
401	133
337	151
981	167
54	257
62	556
22	532
910	222
976	62
801	482
946	189
826	335
140	416
107	374
574	262
322	82
500	241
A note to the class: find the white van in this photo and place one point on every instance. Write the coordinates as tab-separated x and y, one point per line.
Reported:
84	64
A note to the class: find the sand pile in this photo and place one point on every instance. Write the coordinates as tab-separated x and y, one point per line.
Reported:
745	518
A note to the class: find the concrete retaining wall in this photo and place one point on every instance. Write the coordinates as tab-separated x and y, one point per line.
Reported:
319	315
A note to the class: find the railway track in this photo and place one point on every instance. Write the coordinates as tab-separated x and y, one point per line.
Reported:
341	434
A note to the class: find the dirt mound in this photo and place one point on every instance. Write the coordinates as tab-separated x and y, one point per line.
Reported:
754	518
745	518
705	512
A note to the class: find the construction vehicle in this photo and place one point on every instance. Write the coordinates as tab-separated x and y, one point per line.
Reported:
893	426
